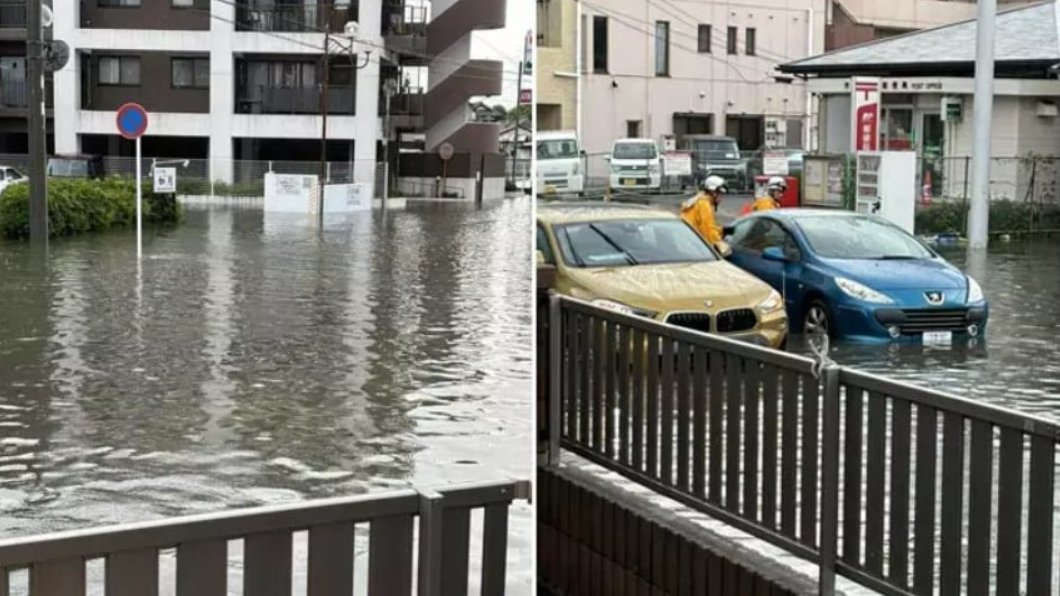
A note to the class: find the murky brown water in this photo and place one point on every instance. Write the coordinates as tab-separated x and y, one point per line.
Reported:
252	361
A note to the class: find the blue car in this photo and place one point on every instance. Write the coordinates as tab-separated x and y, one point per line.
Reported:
858	277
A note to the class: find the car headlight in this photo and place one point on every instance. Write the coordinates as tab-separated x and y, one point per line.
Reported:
975	292
771	304
861	292
622	308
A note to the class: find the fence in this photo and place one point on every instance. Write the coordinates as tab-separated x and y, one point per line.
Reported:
843	468
56	564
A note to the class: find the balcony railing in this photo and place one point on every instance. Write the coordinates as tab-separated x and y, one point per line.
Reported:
278	100
405	20
12	15
403	104
295	18
135	556
13	93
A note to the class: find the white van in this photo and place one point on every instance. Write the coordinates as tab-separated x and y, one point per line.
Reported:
635	163
559	163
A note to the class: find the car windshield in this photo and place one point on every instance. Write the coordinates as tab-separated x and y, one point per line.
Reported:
557	149
73	168
717	149
631	242
634	151
860	238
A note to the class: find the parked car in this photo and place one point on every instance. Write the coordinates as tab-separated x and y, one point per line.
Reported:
714	155
858	277
76	166
650	263
755	166
9	176
559	163
635	164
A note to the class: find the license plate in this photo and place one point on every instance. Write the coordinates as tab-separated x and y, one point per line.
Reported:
629	182
938	338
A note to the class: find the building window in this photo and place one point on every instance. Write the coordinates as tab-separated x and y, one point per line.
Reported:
732	41
119	70
600	44
632	129
749	43
549	15
119	3
191	73
704	39
662	48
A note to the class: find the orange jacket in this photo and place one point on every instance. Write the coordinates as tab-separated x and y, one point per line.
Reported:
699	213
764	204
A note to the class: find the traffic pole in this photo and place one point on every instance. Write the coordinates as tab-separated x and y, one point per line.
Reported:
38	181
139	205
979	214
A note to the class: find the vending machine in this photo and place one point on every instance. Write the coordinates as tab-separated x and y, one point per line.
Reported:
886	186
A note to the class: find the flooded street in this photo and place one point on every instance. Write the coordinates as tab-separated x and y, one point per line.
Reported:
1018	364
254	361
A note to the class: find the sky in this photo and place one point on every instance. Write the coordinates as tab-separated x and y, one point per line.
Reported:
507	45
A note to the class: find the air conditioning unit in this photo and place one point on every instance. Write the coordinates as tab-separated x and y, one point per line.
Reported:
1047	109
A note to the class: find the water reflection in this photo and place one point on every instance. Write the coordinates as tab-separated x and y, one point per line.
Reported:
1015	365
252	361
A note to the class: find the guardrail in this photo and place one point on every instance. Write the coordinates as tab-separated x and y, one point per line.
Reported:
843	468
57	563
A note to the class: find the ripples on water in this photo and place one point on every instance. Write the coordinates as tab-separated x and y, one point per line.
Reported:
1018	364
254	361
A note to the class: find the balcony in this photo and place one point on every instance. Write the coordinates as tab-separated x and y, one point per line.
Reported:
405	32
406	110
342	101
296	18
14	94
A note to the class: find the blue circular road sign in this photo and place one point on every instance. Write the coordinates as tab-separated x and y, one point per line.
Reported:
132	121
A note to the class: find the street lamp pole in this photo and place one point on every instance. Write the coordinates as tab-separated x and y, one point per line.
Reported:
388	88
38	182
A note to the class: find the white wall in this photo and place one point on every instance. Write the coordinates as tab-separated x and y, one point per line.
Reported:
67	100
716	83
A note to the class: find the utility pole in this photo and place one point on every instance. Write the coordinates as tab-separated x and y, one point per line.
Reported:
979	214
324	123
388	88
523	66
38	182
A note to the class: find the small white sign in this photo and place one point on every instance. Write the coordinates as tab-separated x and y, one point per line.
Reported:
678	163
775	163
165	180
938	338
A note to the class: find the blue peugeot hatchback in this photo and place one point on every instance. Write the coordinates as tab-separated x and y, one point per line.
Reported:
858	277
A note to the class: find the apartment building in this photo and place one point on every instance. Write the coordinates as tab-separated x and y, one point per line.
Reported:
666	69
556	82
852	22
236	80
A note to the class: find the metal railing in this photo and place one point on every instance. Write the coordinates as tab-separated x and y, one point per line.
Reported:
843	468
295	18
291	100
56	563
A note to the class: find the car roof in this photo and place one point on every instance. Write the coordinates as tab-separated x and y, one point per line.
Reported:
636	140
794	215
583	211
545	135
710	138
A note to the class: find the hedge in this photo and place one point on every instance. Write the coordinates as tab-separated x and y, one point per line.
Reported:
77	206
1005	216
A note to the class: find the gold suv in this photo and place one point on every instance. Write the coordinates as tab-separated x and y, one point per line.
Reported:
650	263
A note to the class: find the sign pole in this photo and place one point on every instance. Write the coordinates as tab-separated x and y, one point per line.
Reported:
139	205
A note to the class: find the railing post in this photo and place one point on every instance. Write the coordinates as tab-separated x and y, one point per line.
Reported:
432	522
829	482
555	379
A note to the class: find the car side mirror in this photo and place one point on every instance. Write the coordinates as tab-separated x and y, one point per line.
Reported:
584	153
727	230
773	253
539	257
607	157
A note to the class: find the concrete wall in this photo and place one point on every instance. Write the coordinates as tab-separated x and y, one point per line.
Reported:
553	62
715	83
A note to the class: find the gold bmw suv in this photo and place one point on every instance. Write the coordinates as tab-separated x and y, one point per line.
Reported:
648	262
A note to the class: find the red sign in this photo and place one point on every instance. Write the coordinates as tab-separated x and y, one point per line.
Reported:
525	97
865	125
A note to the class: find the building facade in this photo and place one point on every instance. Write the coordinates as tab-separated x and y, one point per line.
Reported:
669	69
236	81
852	22
556	78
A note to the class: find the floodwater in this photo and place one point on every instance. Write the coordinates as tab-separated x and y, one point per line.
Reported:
250	361
1017	363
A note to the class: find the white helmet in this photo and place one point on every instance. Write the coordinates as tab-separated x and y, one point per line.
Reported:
777	183
715	184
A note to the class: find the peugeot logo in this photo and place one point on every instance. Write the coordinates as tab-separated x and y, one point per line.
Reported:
935	297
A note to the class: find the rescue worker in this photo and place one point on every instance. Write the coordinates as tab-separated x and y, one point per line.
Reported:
699	211
775	189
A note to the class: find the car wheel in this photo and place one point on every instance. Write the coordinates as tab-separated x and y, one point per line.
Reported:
817	320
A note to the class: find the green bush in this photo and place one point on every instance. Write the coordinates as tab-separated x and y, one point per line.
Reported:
76	206
1005	216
